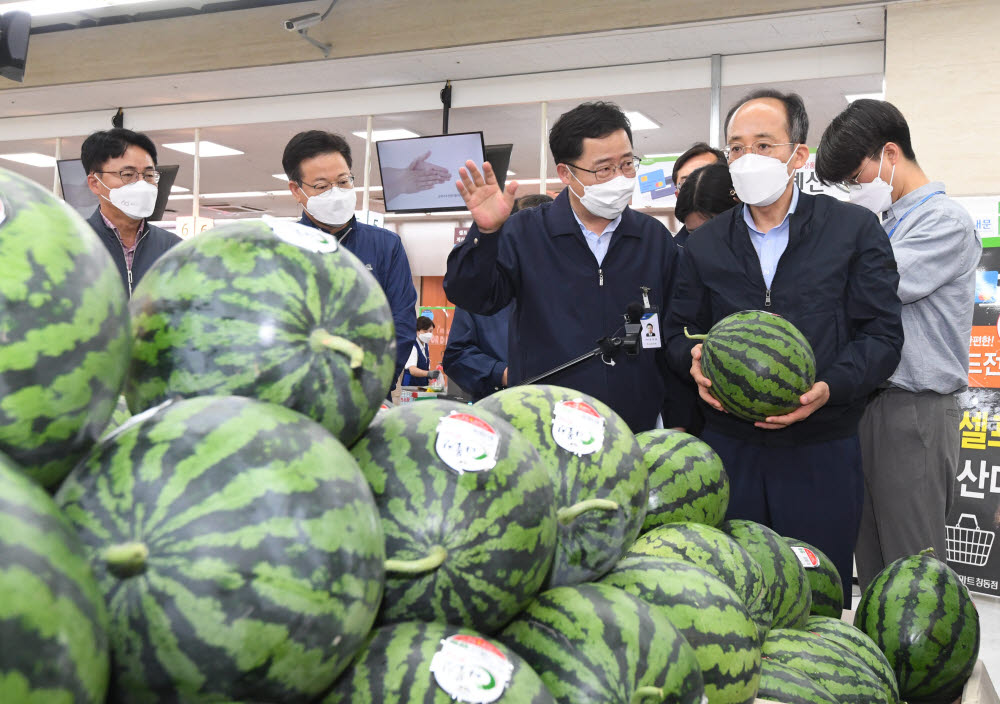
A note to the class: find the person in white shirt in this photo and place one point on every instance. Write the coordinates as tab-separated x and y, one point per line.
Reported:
417	371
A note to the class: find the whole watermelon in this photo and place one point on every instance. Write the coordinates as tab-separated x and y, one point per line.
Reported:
273	311
53	623
824	580
64	332
854	641
687	482
842	674
922	617
708	614
434	663
714	551
596	466
780	683
237	546
759	364
467	511
596	643
785	581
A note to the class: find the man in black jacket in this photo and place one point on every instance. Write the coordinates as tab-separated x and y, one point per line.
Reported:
121	171
574	266
828	268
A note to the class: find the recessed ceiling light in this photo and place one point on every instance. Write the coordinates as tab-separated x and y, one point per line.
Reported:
236	194
851	97
179	189
379	135
659	156
640	122
205	149
31	159
38	8
281	177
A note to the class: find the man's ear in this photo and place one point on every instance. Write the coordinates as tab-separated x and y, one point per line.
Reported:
893	154
564	174
94	185
801	156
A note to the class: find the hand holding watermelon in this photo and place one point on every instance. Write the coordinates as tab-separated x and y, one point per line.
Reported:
812	400
702	381
487	203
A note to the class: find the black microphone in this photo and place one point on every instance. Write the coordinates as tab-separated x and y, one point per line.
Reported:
633	328
633	312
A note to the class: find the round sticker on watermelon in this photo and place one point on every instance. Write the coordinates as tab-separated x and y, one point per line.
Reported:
471	669
577	427
308	238
467	443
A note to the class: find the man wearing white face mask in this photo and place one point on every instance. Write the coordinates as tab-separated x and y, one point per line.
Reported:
121	172
318	166
574	266
825	266
910	467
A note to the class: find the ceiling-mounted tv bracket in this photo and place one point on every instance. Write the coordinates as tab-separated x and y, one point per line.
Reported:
118	119
301	25
446	103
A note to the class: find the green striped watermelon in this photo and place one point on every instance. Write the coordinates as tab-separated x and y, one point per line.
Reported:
467	511
787	685
842	674
434	663
824	580
921	616
708	614
64	332
274	311
53	623
686	480
785	580
118	416
759	364
596	643
237	546
854	641
597	468
713	551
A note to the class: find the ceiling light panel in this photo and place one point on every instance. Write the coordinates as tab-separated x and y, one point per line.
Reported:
206	149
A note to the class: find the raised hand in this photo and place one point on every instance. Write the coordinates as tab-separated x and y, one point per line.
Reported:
490	207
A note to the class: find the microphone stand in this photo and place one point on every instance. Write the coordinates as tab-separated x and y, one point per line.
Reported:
606	345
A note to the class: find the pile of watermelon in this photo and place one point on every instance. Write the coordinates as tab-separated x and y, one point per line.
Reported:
254	526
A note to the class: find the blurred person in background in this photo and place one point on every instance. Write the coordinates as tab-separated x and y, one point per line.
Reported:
698	155
418	370
708	192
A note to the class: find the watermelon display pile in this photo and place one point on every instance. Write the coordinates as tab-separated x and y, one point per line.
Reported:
265	531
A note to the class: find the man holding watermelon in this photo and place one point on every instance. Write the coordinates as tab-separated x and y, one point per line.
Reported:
910	431
318	167
827	268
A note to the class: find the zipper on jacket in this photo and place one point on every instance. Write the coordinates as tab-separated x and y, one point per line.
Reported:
129	269
134	255
600	277
767	298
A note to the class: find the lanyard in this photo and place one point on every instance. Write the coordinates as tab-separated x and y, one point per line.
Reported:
926	198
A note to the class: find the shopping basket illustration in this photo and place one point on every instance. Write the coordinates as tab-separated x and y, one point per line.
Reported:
969	546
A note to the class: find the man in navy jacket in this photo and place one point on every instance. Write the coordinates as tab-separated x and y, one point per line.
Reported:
318	166
828	268
573	266
476	355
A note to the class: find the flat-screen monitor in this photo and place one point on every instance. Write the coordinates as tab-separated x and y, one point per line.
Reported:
76	192
499	157
419	174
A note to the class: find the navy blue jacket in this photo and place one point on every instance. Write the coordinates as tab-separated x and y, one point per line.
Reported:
476	354
423	362
152	243
836	282
566	301
382	252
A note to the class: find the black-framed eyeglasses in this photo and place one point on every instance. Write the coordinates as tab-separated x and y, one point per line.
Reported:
324	185
852	184
732	152
132	175
627	169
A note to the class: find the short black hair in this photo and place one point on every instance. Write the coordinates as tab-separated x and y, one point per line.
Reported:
708	190
696	149
587	120
101	147
424	323
532	201
857	133
306	145
797	119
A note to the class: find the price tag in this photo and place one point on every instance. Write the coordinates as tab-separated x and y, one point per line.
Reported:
308	238
471	669
577	427
807	558
467	443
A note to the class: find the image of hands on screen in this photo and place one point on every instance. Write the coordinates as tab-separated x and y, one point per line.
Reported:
419	174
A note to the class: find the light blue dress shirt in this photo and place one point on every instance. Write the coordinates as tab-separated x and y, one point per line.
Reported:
598	243
770	246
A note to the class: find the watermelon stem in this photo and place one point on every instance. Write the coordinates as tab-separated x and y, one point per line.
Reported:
434	559
320	340
645	692
694	337
126	559
568	514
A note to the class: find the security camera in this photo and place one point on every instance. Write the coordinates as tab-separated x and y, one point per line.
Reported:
297	24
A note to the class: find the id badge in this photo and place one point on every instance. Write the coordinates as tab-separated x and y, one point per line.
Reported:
650	333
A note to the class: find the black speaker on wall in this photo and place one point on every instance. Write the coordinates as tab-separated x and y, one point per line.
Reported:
14	30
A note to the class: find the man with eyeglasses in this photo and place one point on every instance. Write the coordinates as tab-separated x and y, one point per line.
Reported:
827	267
121	172
910	430
573	267
318	167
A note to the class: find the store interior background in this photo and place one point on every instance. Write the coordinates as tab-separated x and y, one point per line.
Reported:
244	82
